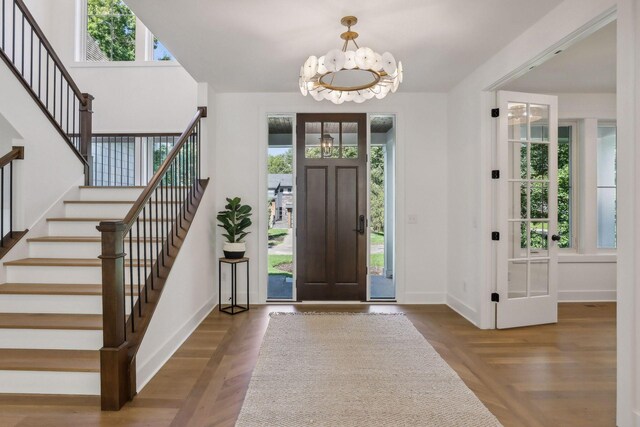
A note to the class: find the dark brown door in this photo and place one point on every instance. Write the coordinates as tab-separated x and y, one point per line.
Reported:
331	237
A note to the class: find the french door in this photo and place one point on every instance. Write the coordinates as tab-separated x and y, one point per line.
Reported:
527	210
331	217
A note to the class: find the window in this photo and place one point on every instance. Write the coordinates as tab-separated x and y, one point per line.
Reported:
606	183
566	198
112	33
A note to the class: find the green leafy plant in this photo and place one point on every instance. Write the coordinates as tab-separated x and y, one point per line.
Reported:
235	219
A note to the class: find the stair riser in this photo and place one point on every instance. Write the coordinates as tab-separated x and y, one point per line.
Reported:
102	210
74	249
55	304
53	339
50	382
88	228
59	274
112	193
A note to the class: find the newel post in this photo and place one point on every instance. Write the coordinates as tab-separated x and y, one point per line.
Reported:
86	133
114	366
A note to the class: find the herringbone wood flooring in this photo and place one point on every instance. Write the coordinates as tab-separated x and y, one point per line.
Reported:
553	375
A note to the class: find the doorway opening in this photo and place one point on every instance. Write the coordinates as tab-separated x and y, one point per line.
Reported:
382	155
556	193
280	208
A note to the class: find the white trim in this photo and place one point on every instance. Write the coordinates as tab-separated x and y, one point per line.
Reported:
424	298
123	64
462	309
576	258
146	370
574	37
587	296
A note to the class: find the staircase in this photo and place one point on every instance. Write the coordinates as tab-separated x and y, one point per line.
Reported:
51	305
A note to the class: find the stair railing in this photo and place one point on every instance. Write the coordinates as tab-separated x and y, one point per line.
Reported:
137	255
29	55
8	235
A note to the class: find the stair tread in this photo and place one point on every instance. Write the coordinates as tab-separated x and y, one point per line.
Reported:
63	262
49	289
83	219
50	321
49	360
73	239
82	289
103	202
111	188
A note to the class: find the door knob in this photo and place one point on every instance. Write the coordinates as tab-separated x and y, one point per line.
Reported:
555	238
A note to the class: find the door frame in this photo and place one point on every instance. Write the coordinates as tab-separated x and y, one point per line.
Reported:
489	136
398	111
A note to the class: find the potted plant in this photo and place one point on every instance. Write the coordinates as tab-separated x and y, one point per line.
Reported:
235	219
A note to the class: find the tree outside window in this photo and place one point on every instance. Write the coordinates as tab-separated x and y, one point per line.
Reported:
111	31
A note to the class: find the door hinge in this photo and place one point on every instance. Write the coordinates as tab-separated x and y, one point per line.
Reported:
495	174
495	112
366	269
495	235
495	297
366	158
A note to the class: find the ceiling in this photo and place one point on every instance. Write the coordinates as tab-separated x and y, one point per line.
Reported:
589	66
259	46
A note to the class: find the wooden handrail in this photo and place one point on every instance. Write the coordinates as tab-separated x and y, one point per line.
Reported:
52	53
15	153
137	207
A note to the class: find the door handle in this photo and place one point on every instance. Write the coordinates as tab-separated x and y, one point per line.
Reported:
555	238
360	228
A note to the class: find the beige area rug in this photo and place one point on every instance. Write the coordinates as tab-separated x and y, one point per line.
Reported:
354	370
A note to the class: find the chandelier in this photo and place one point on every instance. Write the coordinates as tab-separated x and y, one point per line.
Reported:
350	75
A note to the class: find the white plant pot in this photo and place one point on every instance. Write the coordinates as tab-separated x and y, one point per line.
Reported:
234	250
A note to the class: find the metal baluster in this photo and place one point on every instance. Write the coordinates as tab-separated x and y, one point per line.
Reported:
144	249
164	219
55	67
67	128
13	36
31	60
138	266
151	238
131	279
39	69
11	199
22	52
47	80
155	192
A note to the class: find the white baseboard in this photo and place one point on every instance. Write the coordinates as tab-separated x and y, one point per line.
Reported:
463	309
587	296
148	369
424	298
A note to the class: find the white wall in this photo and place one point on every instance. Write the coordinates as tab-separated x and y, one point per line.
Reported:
421	135
471	252
50	166
585	273
129	96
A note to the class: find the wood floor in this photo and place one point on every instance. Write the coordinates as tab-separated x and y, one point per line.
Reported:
554	375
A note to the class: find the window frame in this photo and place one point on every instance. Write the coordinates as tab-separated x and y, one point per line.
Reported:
604	250
574	172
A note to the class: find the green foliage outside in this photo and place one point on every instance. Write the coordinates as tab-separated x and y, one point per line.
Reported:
377	238
281	163
164	57
377	261
277	260
113	26
540	192
377	189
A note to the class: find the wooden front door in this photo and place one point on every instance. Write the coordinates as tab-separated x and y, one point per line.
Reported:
331	217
